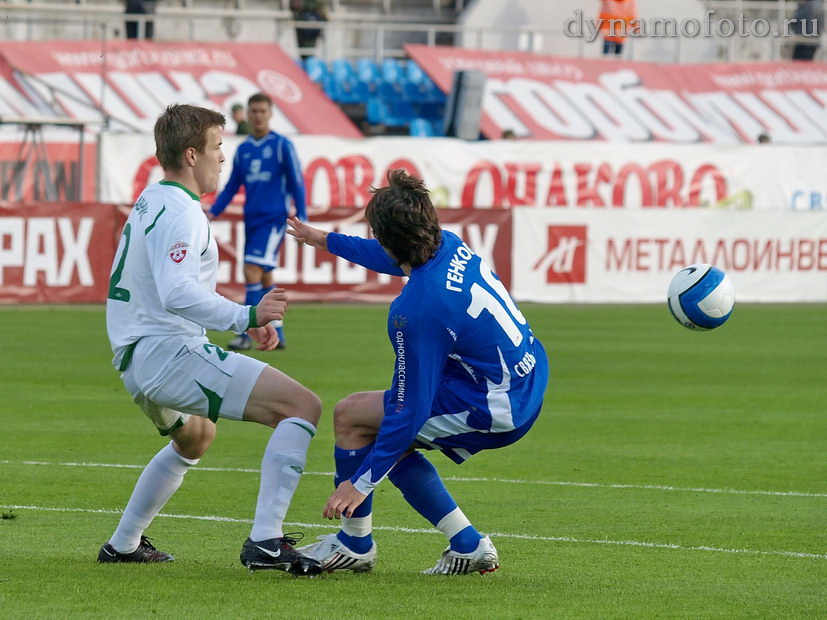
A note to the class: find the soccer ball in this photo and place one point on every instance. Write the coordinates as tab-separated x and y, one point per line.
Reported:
701	297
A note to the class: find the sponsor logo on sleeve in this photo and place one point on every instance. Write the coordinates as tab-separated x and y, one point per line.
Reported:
178	251
399	321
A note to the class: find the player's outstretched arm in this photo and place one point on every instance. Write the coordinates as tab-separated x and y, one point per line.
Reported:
307	234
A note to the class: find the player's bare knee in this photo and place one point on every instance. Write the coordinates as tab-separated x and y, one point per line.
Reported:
345	416
194	438
301	403
307	406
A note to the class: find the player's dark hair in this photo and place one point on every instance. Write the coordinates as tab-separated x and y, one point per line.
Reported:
181	127
259	98
404	219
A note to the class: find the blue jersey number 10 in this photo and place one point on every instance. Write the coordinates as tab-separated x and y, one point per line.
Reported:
481	300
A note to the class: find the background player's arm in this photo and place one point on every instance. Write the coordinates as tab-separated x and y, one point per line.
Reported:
295	180
231	189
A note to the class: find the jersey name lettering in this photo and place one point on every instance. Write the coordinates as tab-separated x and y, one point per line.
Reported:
456	268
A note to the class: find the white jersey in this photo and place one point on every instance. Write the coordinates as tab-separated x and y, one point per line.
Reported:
164	274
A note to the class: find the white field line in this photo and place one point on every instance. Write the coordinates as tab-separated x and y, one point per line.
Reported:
409	530
596	485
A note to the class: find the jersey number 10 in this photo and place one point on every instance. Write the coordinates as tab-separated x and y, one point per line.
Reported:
481	299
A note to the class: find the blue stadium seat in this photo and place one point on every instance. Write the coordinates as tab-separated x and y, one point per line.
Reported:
316	69
421	128
419	87
431	110
390	92
375	111
414	73
368	73
343	70
401	114
347	88
393	71
392	113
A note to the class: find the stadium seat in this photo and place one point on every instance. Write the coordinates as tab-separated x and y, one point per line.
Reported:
414	73
391	113
375	113
438	127
421	128
316	69
368	73
347	88
393	77
419	87
401	114
343	70
431	110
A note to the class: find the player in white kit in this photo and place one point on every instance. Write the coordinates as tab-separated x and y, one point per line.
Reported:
161	301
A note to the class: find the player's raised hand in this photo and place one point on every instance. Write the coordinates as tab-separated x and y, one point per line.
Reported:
266	336
307	234
344	501
272	306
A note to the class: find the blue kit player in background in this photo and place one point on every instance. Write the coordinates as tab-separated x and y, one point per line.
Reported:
469	375
267	166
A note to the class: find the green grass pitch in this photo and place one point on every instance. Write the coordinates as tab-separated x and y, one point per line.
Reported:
671	474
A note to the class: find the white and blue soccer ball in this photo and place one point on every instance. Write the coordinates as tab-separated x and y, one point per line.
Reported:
701	297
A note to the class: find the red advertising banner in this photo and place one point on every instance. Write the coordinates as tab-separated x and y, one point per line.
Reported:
51	171
64	253
311	275
56	253
130	83
546	97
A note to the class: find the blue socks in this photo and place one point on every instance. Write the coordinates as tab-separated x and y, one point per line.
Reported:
356	530
276	324
423	489
254	294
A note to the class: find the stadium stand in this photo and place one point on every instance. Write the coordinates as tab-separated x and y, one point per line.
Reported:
380	28
360	62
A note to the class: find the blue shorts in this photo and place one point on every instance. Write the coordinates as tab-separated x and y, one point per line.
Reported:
461	420
262	243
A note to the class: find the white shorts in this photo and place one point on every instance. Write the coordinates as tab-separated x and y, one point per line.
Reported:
171	377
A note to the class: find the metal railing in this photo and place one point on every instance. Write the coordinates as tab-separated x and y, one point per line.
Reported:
352	35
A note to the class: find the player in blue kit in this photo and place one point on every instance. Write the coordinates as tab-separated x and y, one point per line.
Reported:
267	166
469	376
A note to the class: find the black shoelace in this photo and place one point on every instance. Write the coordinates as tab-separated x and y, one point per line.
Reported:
291	538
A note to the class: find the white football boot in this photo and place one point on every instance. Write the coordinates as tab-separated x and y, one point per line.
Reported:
334	555
482	560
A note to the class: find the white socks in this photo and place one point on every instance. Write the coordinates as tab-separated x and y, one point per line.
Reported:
281	470
159	480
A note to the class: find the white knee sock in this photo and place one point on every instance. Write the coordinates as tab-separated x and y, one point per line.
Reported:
281	470
159	480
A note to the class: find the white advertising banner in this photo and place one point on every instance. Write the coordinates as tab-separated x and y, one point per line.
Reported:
500	174
630	257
